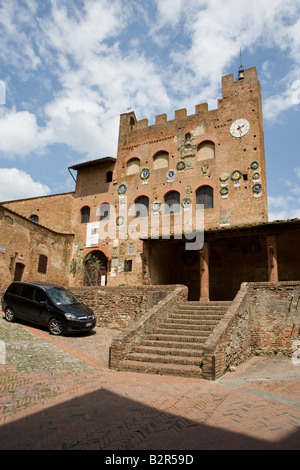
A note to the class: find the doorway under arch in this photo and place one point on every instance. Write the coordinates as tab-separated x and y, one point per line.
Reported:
95	269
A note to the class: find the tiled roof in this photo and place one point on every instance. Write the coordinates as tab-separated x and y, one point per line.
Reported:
99	161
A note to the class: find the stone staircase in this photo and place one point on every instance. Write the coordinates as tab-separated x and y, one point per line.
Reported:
175	347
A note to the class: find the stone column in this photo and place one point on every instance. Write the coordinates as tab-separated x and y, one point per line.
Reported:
204	273
272	258
145	256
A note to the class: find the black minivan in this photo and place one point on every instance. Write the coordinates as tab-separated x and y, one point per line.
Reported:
49	305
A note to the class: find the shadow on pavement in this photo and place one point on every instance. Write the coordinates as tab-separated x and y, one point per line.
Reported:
107	421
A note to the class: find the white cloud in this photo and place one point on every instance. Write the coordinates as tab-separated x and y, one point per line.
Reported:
280	202
17	184
78	32
19	133
16	46
286	206
169	13
288	214
97	82
217	30
99	76
85	113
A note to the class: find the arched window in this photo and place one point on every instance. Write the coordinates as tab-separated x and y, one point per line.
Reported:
141	207
205	197
133	166
161	160
206	150
34	218
85	214
172	203
132	123
104	211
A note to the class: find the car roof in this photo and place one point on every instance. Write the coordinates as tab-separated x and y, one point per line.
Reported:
45	285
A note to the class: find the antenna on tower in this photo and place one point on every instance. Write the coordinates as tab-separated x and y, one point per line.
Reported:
241	75
129	107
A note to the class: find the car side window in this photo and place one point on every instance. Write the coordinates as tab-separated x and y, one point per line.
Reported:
27	292
39	295
13	289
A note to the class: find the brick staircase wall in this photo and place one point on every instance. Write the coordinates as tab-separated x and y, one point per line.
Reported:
263	319
175	346
119	307
186	338
145	324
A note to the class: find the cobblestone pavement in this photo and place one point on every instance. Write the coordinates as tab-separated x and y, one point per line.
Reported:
58	394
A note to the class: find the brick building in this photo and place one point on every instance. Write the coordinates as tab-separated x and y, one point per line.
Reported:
184	202
30	251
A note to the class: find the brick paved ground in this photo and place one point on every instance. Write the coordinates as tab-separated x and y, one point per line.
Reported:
57	393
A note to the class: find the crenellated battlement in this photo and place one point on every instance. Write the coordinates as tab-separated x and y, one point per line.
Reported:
131	128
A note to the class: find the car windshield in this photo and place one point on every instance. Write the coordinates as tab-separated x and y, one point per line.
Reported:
62	296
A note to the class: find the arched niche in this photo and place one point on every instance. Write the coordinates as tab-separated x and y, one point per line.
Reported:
161	160
206	150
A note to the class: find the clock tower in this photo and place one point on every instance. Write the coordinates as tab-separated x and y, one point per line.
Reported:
213	157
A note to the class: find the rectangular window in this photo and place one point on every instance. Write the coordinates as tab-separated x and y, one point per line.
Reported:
42	268
128	266
14	289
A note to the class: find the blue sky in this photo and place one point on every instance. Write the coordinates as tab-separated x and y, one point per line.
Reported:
69	69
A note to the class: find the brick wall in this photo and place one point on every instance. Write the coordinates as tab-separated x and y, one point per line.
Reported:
275	317
23	241
54	212
120	307
145	324
264	319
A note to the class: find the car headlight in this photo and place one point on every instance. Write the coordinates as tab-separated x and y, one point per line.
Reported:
71	316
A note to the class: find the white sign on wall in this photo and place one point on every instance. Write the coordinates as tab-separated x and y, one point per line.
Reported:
92	234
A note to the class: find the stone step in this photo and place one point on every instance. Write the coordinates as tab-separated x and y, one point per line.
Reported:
181	331
164	359
180	370
173	344
177	338
187	326
176	345
199	313
191	321
197	316
168	351
216	303
201	307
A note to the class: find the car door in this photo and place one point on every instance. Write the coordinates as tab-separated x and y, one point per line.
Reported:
41	306
28	309
11	297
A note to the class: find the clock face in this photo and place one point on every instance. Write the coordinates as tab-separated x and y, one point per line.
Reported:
240	128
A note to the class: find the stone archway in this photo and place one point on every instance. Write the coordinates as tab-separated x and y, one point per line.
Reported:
95	269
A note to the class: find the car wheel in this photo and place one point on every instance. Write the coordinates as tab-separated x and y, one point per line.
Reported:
10	315
55	327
